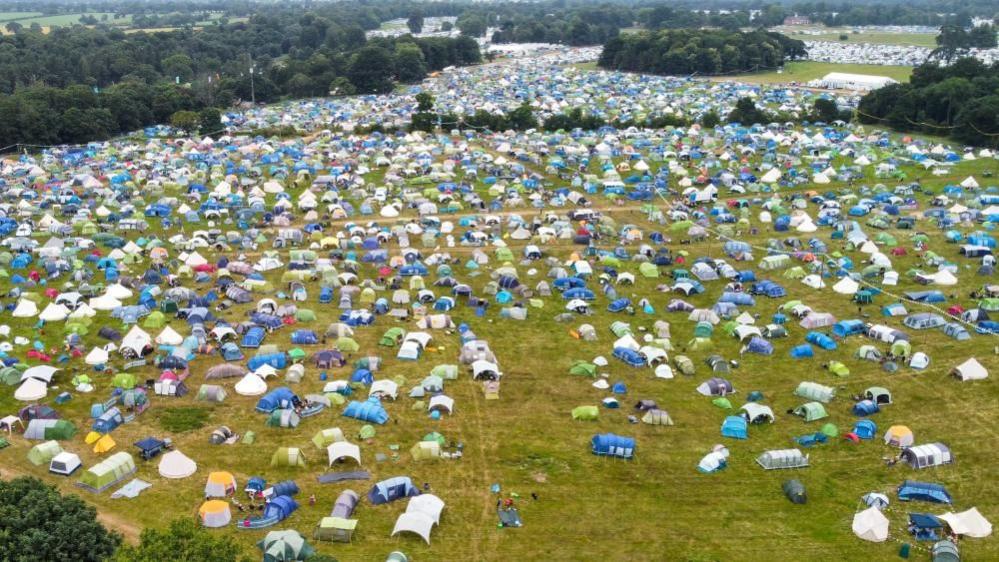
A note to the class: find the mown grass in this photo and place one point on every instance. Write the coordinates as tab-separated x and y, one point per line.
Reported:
179	420
805	71
655	507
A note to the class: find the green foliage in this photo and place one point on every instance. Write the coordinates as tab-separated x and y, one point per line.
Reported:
747	113
447	26
827	111
371	70
424	101
37	523
687	51
710	120
415	21
423	121
209	120
410	66
181	419
473	25
954	98
182	541
186	121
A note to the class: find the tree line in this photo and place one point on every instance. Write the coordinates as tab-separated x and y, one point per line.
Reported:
701	51
960	101
78	84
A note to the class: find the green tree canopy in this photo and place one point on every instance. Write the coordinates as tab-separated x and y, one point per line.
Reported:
371	70
181	541
37	523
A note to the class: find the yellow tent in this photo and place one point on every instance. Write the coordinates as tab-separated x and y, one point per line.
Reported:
92	438
104	444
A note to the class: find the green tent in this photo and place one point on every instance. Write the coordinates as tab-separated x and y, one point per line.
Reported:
620	329
296	354
347	345
830	430
44	452
445	372
10	376
288	456
326	437
434	436
648	269
334	529
583	368
504	254
282	546
700	344
811	411
367	431
249	438
108	472
392	337
585	413
722	402
305	315
156	319
838	369
123	380
815	391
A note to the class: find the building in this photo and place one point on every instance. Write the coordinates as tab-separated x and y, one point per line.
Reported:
845	81
797	20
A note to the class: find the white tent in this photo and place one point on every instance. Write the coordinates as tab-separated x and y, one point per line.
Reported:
414	522
871	525
43	373
969	182
97	356
970	370
25	309
343	449
251	385
969	523
54	313
31	390
428	504
169	336
176	465
846	286
771	176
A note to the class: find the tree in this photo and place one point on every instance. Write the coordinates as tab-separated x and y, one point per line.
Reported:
522	118
179	65
710	120
472	25
186	121
300	85
13	27
409	63
424	101
747	113
341	86
37	523
825	110
209	120
978	122
182	541
447	26
415	22
371	70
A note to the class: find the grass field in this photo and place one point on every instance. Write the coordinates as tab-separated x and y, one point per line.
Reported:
12	16
655	507
802	72
863	36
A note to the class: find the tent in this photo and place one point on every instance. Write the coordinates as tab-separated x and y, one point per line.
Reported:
214	513
899	436
284	546
923	456
968	523
585	413
288	456
871	525
326	437
392	489
44	452
108	472
176	465
371	410
811	411
782	458
423	450
609	444
815	391
655	416
735	427
220	484
923	491
49	429
341	450
794	491
970	370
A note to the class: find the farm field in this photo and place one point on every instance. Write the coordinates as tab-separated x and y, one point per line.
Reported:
805	71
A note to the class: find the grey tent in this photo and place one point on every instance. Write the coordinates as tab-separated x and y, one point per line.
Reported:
794	490
782	458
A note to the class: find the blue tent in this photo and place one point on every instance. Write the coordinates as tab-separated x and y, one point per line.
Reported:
741	299
865	429
802	351
735	427
370	410
821	340
304	337
108	421
759	345
276	360
253	337
277	398
865	408
923	491
629	356
280	508
392	489
845	328
255	484
609	444
924	525
285	488
231	352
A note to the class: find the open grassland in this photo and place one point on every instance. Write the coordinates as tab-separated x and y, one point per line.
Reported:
812	33
805	71
655	507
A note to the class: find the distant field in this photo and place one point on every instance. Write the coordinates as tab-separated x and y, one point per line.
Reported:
873	37
801	72
11	16
71	19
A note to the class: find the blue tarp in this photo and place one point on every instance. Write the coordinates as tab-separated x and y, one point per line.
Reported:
923	491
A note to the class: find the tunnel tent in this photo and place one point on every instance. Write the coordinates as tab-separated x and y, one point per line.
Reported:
288	456
782	458
609	444
340	450
815	391
794	491
44	452
811	411
326	437
924	456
